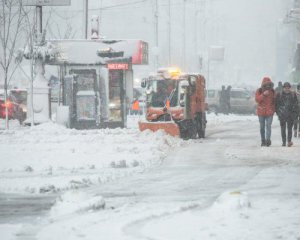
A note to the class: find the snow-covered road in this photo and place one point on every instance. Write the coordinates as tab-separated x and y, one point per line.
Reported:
219	188
223	187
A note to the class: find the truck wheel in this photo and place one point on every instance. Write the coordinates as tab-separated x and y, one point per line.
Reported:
188	129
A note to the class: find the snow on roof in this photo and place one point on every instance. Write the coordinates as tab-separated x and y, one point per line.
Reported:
85	51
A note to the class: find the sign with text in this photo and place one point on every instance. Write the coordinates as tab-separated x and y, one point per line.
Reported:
118	66
46	2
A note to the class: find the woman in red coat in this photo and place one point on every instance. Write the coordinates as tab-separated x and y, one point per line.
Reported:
265	98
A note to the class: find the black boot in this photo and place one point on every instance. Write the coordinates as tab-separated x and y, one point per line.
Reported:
268	143
263	143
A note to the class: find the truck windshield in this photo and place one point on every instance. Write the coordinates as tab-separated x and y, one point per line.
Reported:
161	91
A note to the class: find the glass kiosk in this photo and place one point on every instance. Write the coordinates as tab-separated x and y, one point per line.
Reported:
80	94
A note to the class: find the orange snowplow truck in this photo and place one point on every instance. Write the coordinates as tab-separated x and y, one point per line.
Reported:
175	103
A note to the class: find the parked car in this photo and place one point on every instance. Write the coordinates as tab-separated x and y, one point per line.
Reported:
241	101
213	100
16	103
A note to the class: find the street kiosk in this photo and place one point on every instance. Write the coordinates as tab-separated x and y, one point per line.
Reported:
97	80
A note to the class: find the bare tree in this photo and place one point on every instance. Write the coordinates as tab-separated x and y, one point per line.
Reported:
11	22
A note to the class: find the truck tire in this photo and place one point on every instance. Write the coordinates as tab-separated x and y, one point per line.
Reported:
188	129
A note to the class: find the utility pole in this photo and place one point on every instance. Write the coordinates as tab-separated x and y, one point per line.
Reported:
39	19
184	42
100	17
169	32
196	31
198	53
86	10
156	34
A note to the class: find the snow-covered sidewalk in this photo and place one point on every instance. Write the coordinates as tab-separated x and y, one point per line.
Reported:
50	157
223	187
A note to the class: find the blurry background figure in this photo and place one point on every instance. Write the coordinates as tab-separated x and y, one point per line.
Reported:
297	120
279	87
228	105
135	107
222	101
287	111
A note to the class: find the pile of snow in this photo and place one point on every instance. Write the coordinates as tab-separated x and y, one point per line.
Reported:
231	201
76	202
50	157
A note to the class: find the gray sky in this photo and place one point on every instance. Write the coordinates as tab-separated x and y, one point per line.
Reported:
251	32
255	40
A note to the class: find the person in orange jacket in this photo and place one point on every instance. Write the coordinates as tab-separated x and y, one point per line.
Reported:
135	107
265	98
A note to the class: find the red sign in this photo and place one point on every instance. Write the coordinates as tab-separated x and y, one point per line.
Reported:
141	54
117	66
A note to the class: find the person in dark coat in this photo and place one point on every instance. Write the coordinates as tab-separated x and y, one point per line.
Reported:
297	120
265	98
228	93
222	100
286	105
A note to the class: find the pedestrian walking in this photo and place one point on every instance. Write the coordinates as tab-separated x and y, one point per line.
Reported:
297	120
286	104
265	98
228	94
222	101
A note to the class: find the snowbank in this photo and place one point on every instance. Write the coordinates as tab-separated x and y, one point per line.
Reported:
76	202
50	157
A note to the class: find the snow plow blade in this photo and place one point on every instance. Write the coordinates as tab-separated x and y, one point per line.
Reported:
169	127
